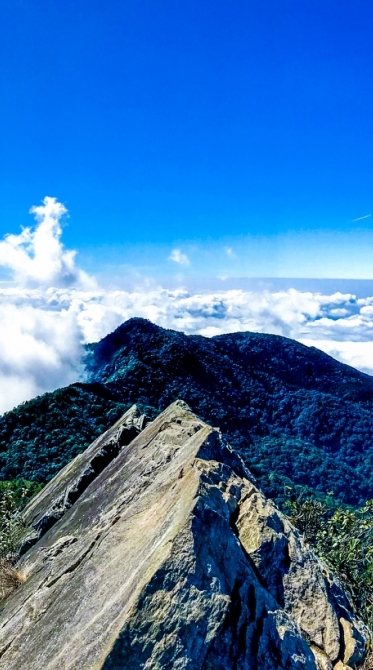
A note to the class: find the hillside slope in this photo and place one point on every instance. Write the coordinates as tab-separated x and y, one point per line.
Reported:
287	408
40	436
294	414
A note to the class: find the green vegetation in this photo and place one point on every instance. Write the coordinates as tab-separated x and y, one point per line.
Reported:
18	493
287	409
297	417
14	495
302	422
39	437
343	538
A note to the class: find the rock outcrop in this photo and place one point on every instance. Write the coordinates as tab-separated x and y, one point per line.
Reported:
162	553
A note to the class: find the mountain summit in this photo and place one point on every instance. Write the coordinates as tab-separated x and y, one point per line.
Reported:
288	409
162	553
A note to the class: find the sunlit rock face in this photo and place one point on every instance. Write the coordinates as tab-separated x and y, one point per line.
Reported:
156	550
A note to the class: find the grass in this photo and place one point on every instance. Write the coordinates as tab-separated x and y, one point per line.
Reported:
10	578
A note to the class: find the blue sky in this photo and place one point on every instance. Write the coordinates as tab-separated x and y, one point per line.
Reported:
209	162
198	126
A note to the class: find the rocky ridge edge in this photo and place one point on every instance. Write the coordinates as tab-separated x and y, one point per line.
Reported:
171	557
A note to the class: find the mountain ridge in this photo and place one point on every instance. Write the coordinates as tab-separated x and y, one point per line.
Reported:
161	552
296	416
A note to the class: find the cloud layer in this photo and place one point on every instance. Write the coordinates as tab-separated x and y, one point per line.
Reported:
42	330
53	308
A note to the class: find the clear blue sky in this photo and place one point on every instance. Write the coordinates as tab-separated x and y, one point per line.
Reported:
159	123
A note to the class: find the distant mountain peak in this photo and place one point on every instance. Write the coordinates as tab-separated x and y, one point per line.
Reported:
297	417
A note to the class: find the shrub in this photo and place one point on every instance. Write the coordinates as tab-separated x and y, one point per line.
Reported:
343	538
13	497
11	525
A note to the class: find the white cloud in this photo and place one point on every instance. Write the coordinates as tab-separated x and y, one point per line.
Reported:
179	257
357	354
360	218
40	345
53	308
229	251
42	330
37	257
40	337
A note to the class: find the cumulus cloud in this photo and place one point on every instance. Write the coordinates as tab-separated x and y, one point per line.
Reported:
53	308
179	257
37	257
40	337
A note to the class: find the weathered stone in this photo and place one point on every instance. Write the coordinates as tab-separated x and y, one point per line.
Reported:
289	570
170	558
69	484
323	662
353	642
341	666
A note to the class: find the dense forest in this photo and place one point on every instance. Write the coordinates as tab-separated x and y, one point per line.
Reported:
300	419
40	436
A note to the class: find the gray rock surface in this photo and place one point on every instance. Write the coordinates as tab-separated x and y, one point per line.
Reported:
170	558
69	484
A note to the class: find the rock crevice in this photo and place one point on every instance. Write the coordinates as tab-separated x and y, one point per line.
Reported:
73	480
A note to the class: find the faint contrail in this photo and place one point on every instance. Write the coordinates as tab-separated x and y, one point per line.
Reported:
362	217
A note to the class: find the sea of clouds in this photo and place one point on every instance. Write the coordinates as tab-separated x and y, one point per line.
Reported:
51	308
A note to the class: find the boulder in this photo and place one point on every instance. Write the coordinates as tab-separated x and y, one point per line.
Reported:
170	557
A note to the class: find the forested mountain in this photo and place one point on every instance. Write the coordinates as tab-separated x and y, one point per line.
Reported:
296	416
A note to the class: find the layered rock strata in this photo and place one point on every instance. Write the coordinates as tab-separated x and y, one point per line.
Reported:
163	554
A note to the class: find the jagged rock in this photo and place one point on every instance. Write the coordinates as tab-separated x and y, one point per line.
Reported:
353	642
292	574
170	557
69	484
322	661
